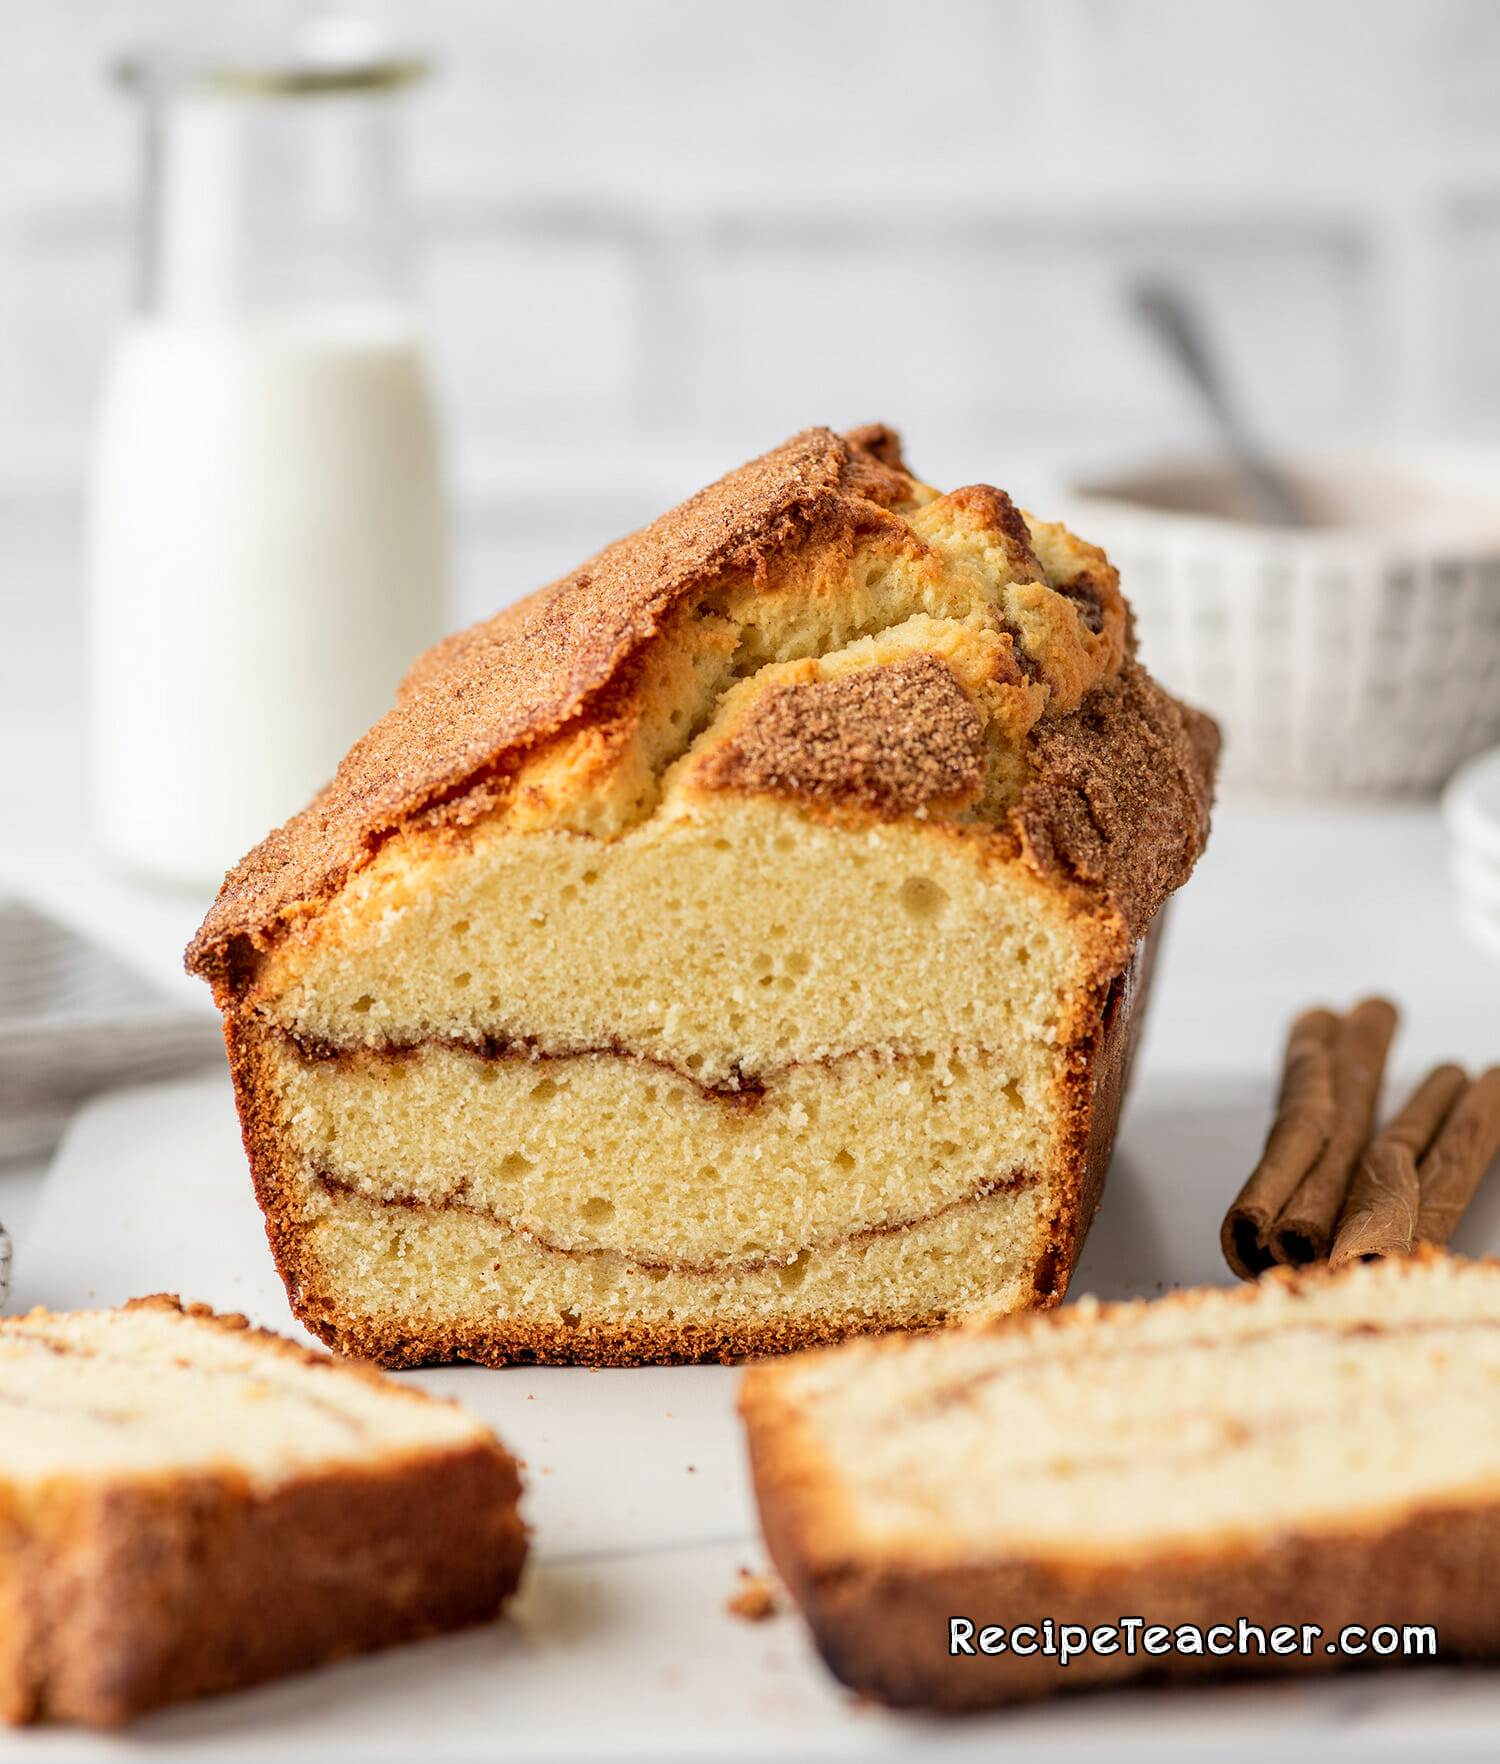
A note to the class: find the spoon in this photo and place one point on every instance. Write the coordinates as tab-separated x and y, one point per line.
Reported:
1171	315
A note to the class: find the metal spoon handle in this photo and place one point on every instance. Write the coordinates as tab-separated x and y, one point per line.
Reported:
1170	315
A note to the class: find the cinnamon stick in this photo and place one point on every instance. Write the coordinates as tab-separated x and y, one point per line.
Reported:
1304	1117
1380	1210
1303	1231
1455	1165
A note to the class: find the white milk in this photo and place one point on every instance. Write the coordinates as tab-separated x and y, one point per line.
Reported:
267	558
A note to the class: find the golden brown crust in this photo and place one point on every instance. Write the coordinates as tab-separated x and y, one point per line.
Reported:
882	444
883	1631
154	1592
121	1595
408	1342
1118	796
881	1621
1099	1082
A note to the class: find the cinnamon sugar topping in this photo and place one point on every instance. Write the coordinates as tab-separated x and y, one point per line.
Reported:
892	739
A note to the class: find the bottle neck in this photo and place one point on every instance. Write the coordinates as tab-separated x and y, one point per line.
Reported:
255	205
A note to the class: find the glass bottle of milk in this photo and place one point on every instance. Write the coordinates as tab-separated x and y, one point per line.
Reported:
267	531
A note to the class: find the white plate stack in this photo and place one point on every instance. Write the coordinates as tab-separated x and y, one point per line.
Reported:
1471	809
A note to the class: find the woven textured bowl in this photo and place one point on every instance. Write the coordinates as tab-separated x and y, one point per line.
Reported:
1361	655
74	1021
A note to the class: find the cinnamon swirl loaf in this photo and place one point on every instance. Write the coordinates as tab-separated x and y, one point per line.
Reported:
733	946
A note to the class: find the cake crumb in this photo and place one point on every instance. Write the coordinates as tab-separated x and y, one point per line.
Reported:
754	1600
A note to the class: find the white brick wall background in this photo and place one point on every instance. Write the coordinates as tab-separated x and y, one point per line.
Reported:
659	234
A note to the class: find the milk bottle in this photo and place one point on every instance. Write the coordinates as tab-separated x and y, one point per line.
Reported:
267	536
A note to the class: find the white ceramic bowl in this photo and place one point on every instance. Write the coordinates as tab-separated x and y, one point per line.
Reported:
1359	655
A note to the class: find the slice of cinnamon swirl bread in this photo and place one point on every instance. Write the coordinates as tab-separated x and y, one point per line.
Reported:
733	946
189	1505
1318	1450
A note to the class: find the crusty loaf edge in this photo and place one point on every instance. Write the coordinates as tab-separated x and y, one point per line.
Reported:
881	1623
118	1599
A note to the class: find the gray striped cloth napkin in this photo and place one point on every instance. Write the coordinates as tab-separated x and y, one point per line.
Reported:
74	1020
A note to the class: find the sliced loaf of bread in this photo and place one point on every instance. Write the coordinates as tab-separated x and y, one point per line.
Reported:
735	946
188	1505
1316	1450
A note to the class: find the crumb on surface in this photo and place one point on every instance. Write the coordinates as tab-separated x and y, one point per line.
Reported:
754	1599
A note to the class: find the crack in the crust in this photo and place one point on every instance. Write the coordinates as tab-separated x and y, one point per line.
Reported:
754	648
1014	1183
1087	597
751	656
742	665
